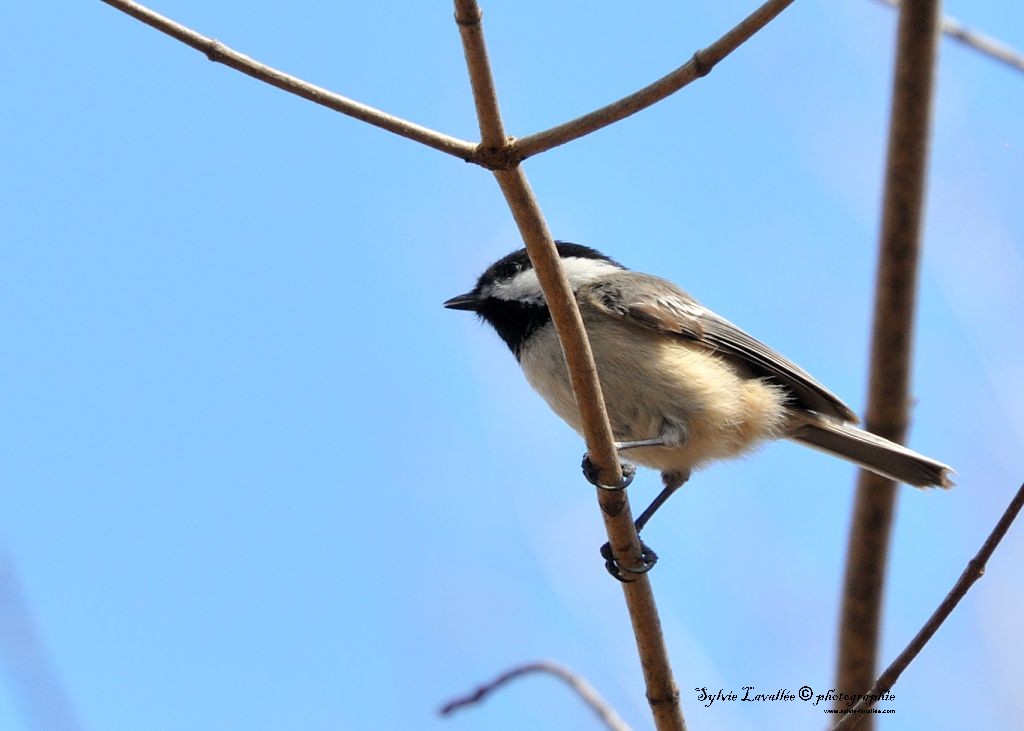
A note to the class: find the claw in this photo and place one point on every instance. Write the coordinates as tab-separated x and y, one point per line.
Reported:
647	556
591	473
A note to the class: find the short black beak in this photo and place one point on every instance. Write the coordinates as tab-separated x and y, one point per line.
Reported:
466	301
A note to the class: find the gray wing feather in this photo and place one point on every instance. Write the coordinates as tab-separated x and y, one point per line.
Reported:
658	304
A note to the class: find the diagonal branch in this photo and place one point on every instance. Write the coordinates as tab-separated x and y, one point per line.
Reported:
892	337
974	571
468	17
578	684
978	41
699	65
35	682
662	692
219	53
566	316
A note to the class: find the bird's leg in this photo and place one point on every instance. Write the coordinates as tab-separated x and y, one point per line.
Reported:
672	435
668	437
647	556
637	443
672	481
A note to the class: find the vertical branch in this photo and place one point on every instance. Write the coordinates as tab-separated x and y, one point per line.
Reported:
895	294
991	47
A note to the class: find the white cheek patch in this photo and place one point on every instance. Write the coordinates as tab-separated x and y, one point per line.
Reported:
525	287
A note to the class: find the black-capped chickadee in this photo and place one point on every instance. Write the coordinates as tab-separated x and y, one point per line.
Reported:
683	386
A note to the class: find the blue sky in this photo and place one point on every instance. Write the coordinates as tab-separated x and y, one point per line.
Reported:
254	476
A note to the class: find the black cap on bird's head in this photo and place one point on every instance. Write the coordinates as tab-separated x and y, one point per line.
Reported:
513	266
508	295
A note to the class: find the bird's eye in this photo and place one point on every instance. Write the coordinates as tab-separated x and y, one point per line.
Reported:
511	269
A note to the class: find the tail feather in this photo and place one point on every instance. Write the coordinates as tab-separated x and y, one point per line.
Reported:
871	452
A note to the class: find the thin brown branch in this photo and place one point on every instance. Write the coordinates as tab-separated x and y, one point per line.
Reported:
975	39
566	316
662	692
974	571
577	683
219	53
892	336
699	65
468	17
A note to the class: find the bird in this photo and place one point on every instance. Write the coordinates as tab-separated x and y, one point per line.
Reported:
683	386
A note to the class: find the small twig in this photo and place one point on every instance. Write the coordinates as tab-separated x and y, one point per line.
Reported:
662	693
978	41
699	65
219	53
974	571
578	684
892	337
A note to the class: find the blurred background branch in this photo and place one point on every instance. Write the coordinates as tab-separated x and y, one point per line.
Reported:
977	40
892	340
577	683
34	680
974	571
